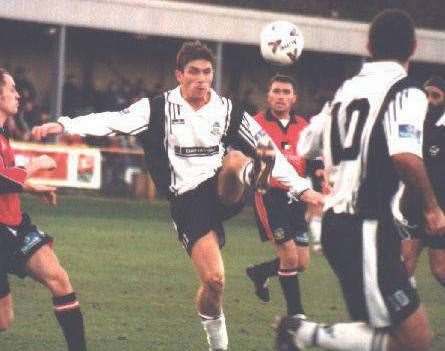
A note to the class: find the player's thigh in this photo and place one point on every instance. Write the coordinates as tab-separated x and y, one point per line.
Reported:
411	249
303	257
44	267
437	263
6	311
414	333
207	259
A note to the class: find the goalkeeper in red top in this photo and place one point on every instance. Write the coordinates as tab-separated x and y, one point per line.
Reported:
281	218
24	249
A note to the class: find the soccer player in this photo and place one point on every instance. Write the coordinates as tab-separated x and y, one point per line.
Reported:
279	218
434	157
185	133
24	249
372	138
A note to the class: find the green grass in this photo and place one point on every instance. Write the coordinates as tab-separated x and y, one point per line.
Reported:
136	284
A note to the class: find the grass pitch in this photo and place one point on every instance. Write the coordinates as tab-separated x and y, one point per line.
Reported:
136	284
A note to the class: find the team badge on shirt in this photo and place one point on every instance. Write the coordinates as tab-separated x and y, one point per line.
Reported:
216	129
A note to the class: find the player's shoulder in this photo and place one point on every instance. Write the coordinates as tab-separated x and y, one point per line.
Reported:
409	92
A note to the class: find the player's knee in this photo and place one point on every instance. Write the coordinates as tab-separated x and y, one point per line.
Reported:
302	265
6	319
439	274
215	282
58	282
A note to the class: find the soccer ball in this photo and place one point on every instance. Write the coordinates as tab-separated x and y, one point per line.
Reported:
281	43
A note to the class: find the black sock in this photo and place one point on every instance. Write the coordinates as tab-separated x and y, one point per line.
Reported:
291	290
69	316
269	268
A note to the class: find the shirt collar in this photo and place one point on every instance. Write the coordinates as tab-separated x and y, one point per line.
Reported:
379	67
271	117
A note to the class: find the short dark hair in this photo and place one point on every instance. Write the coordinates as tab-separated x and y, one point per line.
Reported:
193	50
435	81
283	79
3	73
392	36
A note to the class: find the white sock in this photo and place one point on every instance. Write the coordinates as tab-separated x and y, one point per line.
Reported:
244	174
215	328
342	336
315	229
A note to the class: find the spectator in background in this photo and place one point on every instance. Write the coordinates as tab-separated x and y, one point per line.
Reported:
24	86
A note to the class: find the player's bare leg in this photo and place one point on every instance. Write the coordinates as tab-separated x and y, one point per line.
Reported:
239	172
6	312
413	334
411	249
437	264
44	267
207	260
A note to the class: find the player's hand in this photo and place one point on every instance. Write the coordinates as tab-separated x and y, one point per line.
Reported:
40	163
47	194
435	222
312	197
52	128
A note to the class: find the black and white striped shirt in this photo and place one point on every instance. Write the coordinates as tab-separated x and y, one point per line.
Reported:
184	147
373	116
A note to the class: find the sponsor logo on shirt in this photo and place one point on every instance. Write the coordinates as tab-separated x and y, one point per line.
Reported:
409	131
178	121
196	151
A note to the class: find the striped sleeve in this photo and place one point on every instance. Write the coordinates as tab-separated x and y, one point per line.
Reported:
403	122
131	121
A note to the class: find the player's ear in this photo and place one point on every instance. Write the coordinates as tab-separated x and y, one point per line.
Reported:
178	75
295	99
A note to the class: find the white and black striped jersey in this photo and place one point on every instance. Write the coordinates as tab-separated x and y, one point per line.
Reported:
184	147
373	116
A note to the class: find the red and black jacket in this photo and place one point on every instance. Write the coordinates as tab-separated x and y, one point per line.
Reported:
11	183
285	138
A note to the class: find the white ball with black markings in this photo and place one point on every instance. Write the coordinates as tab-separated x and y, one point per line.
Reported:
281	43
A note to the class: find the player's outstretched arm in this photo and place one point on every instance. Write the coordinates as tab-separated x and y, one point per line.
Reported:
41	132
132	120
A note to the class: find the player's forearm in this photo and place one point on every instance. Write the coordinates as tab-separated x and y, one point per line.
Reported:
93	124
413	173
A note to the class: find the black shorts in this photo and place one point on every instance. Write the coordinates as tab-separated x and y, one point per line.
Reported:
17	245
199	211
280	220
365	256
